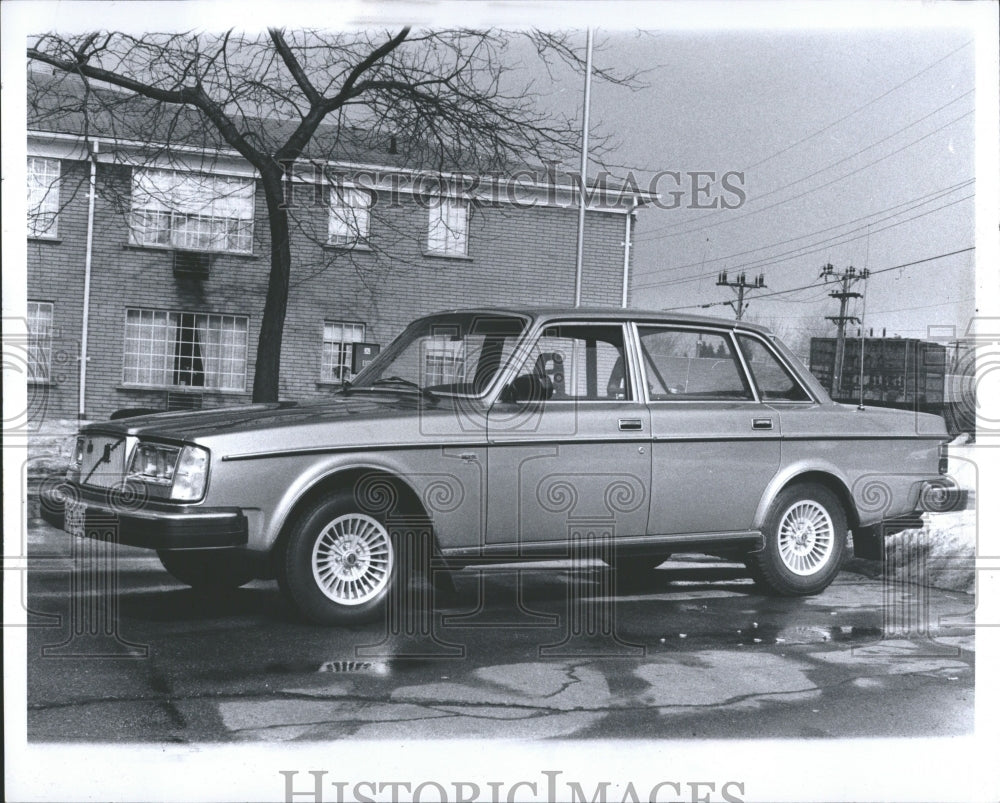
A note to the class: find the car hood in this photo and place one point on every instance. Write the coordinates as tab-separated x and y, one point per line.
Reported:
366	411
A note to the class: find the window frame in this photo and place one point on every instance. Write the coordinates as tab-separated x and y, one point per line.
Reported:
39	210
735	354
628	359
436	220
788	368
236	228
35	344
347	367
174	318
362	238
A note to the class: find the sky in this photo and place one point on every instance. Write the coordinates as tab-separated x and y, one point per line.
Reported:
855	149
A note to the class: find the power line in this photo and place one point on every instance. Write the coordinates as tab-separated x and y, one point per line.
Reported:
912	203
814	189
831	164
923	306
860	108
814	284
806	250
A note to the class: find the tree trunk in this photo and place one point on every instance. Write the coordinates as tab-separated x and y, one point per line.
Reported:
266	371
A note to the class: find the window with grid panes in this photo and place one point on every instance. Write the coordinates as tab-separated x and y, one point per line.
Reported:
43	197
335	363
185	349
350	216
195	211
448	229
40	341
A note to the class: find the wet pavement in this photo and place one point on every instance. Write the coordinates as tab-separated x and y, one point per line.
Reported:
121	652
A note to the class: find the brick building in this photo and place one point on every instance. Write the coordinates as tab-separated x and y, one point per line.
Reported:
148	267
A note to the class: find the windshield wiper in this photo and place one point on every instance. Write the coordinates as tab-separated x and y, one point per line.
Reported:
409	383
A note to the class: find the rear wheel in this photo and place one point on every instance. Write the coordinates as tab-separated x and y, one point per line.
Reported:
340	563
804	537
207	571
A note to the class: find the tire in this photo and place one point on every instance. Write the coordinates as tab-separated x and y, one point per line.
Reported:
207	571
340	563
805	534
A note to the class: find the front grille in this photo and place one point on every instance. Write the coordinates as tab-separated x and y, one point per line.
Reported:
103	461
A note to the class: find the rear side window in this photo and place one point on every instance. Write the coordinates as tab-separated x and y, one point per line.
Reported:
688	365
774	382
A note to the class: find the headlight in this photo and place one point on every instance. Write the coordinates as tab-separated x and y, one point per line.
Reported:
153	463
76	461
181	472
190	474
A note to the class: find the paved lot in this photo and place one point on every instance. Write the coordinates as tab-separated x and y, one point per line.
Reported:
534	651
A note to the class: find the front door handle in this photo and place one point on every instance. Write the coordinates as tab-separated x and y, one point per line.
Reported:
630	424
762	423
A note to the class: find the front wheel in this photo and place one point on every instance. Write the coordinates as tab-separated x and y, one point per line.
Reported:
340	563
804	537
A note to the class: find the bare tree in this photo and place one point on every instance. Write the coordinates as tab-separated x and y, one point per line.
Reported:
446	100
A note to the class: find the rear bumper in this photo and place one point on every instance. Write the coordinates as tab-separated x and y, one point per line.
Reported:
936	496
153	525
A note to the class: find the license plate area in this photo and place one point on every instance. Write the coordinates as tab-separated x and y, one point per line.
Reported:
75	518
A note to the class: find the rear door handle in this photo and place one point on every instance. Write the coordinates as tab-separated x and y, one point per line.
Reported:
630	424
762	423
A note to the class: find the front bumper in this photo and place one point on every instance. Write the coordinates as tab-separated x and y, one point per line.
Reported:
152	525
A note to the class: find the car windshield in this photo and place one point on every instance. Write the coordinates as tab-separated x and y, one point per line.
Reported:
457	354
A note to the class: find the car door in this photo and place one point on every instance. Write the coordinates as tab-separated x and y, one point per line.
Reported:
574	461
715	446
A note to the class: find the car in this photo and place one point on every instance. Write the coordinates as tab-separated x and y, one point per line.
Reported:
485	435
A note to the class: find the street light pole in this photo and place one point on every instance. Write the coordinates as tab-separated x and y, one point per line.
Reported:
583	167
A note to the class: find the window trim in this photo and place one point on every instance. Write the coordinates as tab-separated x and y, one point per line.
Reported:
323	341
532	341
134	240
723	332
433	214
361	241
781	361
125	383
51	232
32	343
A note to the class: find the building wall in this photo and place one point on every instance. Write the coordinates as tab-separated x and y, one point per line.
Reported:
517	257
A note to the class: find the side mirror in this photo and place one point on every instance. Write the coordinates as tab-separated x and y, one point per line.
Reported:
528	388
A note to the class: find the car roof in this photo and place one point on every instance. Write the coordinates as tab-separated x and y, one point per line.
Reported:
613	314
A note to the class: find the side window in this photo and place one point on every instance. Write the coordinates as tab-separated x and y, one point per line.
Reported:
583	362
687	364
773	380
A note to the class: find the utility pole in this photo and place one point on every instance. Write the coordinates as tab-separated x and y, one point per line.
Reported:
740	285
847	280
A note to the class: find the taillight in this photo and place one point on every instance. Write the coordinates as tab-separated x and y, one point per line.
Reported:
943	458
